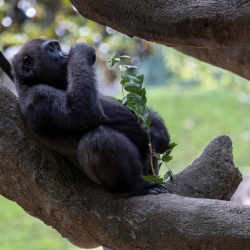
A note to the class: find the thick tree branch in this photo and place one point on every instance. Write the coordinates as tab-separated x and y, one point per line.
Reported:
204	23
198	28
47	187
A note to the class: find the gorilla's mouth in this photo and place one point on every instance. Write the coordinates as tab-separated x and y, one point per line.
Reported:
64	55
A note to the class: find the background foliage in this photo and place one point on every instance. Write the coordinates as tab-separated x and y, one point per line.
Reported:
197	101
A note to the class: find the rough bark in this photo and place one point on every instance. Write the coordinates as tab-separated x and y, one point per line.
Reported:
217	32
204	23
49	188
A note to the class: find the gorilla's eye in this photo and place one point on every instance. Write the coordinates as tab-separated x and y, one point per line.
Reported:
28	62
52	46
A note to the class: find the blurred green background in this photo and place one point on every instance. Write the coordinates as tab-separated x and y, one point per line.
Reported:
197	101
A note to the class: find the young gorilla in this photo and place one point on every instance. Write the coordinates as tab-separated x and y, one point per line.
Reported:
60	103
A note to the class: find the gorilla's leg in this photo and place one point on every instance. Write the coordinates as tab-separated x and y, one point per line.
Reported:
109	158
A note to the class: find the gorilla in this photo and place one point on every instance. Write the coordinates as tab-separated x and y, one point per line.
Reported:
60	103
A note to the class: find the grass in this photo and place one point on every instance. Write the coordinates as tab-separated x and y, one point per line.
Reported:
193	119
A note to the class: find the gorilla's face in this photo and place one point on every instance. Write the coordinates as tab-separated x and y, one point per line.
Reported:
41	61
53	60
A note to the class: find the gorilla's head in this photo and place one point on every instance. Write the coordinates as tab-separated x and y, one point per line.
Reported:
42	61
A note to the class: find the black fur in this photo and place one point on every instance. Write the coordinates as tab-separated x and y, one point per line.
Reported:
59	100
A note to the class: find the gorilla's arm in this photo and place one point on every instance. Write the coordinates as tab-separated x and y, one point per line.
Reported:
76	109
82	95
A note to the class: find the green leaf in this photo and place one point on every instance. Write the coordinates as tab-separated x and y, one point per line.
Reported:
114	61
119	100
135	79
131	67
132	84
140	78
123	68
137	99
154	179
124	79
172	145
134	99
169	175
126	57
133	88
166	158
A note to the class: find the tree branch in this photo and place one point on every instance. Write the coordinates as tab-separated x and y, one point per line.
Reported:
204	23
47	187
217	32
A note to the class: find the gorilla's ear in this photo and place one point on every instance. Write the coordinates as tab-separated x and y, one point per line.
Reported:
28	66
